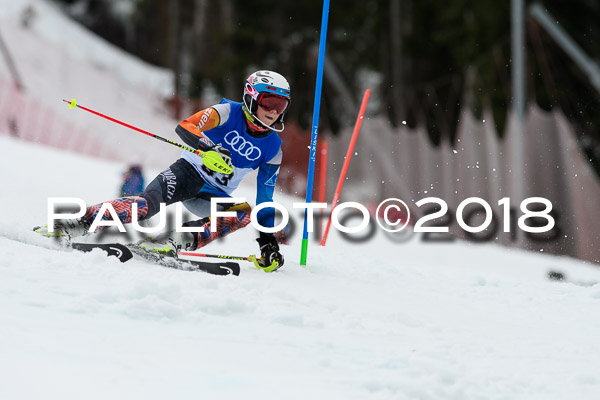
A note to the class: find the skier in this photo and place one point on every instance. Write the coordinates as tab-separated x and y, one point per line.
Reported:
245	135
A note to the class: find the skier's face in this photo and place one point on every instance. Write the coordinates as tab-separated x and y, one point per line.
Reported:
267	117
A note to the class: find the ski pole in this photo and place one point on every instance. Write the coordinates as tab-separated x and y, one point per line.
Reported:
193	254
211	159
251	258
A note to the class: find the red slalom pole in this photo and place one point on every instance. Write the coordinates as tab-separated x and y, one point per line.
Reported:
322	179
340	183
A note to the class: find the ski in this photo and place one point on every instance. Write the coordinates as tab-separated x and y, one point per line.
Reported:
124	253
113	249
220	267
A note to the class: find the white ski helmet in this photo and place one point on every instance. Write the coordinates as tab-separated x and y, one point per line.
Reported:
270	90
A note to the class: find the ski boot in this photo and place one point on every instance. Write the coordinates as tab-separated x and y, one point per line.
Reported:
65	230
166	245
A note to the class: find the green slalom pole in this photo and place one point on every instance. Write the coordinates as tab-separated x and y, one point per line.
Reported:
315	128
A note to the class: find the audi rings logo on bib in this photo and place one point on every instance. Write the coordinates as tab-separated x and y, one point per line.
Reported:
243	147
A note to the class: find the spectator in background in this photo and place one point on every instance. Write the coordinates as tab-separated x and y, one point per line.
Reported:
27	17
13	127
133	181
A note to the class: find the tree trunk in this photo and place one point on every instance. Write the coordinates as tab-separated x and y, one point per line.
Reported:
173	55
396	68
232	87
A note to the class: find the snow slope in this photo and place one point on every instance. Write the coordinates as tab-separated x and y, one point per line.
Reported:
378	320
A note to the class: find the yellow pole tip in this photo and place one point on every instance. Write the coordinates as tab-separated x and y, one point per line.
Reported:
73	103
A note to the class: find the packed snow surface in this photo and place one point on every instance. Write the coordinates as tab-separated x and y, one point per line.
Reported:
378	320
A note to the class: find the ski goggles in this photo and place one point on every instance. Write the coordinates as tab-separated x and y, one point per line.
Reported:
271	102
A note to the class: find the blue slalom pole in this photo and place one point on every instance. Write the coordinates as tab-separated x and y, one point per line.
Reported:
315	128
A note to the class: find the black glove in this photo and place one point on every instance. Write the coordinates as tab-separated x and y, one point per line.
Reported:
224	153
269	250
